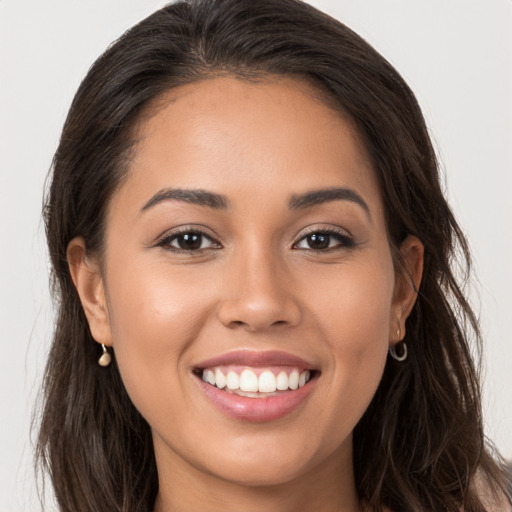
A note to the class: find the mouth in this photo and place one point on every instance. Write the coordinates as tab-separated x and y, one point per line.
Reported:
255	386
255	382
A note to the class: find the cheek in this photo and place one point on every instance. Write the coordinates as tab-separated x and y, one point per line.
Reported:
353	315
148	308
353	304
154	317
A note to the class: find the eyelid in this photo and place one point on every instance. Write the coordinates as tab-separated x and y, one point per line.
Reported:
323	228
327	229
164	239
185	229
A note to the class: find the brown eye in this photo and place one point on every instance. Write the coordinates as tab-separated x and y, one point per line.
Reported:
188	241
324	240
318	241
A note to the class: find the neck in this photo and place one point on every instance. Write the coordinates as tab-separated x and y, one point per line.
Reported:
329	487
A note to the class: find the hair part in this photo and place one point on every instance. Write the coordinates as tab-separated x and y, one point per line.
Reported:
420	443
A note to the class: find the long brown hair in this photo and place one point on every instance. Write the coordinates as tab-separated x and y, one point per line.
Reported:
420	444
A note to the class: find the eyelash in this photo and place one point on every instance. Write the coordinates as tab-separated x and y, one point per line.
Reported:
344	240
167	240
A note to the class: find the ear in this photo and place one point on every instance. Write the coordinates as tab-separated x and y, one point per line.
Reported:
86	276
407	283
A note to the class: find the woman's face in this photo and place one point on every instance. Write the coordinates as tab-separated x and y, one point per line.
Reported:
248	247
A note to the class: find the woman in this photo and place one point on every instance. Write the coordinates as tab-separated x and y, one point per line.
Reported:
252	253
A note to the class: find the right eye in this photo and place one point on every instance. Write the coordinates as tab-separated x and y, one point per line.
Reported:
188	241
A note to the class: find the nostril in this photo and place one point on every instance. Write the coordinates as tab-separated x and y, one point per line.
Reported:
258	313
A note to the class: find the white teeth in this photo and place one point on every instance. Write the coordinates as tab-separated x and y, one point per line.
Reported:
209	377
302	379
282	381
233	380
220	380
267	382
248	381
293	380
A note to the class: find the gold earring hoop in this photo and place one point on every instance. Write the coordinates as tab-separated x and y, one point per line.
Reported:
105	358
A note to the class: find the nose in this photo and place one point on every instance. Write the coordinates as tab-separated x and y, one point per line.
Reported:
259	295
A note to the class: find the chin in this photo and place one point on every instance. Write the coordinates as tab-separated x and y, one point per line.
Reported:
263	472
262	461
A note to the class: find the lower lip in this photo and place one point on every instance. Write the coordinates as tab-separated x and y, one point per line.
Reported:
257	410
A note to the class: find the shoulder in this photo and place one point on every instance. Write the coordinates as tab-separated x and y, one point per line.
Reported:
495	503
492	498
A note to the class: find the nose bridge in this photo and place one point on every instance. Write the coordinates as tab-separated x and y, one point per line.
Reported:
260	294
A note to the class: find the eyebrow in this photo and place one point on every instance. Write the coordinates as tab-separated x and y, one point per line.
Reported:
197	197
326	195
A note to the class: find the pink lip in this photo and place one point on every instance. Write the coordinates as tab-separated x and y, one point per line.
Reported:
257	410
255	359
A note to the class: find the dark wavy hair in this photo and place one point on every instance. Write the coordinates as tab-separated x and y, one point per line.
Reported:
420	445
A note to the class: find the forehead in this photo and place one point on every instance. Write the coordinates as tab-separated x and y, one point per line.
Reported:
236	137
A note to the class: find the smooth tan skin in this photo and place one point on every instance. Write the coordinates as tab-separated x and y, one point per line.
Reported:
258	288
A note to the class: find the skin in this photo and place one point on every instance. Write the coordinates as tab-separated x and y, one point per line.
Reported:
256	285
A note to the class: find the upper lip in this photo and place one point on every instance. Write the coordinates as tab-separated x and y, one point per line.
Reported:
257	359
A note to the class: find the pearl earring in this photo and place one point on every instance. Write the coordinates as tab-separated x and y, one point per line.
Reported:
105	358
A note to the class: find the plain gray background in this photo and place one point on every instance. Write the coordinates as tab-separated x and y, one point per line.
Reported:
455	54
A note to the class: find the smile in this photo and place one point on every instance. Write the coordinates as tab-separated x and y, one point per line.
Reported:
256	386
256	382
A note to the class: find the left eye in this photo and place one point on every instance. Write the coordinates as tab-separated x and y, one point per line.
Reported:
322	240
189	241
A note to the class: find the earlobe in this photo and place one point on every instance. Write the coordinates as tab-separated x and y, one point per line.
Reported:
86	276
407	284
